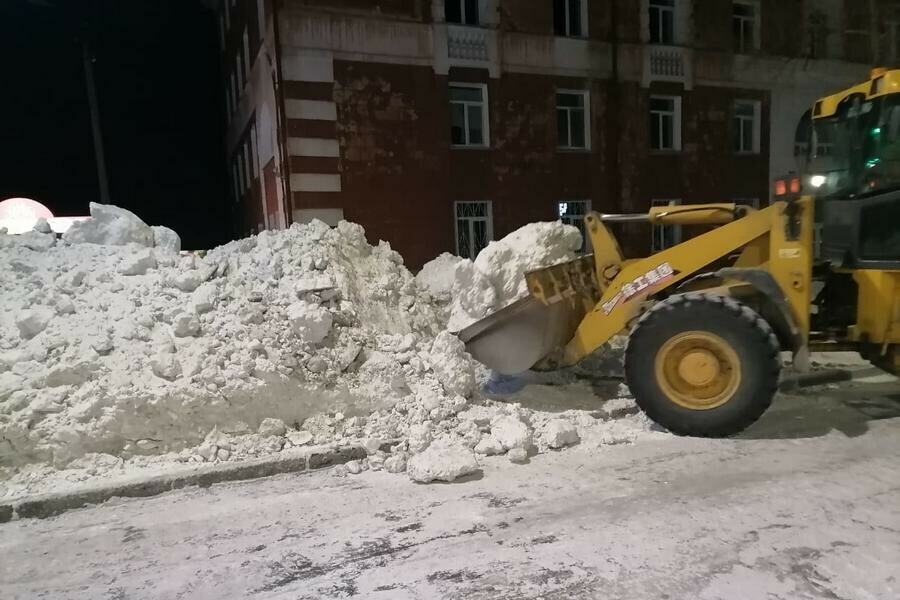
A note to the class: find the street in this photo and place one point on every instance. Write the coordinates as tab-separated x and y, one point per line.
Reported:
806	504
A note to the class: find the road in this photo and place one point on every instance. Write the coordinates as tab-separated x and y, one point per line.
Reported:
804	505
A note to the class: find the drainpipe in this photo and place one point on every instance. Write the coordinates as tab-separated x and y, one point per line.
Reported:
288	200
614	131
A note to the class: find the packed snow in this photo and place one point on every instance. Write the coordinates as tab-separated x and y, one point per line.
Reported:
496	278
119	353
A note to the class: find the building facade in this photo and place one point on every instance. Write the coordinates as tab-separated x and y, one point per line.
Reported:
440	125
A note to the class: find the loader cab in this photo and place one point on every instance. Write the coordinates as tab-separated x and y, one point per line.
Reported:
853	169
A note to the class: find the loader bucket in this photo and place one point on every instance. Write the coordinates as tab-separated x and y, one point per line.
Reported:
516	338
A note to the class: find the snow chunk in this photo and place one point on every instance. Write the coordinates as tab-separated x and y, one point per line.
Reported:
166	239
270	427
110	225
137	263
438	275
517	455
489	445
497	276
309	321
558	433
442	461
32	322
450	362
511	432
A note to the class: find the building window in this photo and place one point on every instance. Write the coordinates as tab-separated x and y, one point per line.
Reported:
665	236
665	123
746	126
662	22
573	212
573	120
474	228
570	18
463	12
745	26
468	115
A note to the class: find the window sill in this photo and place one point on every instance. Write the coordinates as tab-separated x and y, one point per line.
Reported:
660	152
748	154
468	147
571	37
568	150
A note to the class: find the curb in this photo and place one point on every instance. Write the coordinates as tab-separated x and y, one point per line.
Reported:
41	507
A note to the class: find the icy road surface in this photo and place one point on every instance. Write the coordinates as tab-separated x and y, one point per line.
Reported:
805	505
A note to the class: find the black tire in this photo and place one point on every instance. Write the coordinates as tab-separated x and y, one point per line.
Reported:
747	334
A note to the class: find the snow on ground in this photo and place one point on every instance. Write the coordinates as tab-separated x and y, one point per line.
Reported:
804	506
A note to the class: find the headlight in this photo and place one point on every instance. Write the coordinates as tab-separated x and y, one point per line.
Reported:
817	181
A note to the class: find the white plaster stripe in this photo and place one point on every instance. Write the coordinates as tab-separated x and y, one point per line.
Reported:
321	110
313	147
308	67
315	182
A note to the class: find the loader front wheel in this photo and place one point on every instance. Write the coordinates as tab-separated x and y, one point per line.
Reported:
702	365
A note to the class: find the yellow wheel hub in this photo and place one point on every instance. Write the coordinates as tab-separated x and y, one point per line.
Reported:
698	370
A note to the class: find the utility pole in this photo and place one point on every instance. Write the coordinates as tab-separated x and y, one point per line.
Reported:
95	122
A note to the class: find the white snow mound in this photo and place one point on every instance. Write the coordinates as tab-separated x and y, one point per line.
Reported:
496	278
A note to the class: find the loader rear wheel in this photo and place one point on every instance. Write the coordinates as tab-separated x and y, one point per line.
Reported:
702	365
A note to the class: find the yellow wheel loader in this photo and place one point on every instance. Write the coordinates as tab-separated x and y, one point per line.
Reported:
706	320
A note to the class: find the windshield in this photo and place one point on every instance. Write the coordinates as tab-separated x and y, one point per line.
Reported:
857	150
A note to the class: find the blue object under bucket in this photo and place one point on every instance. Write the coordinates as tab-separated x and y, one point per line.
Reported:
505	385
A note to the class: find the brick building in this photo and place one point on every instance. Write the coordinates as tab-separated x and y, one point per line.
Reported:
441	124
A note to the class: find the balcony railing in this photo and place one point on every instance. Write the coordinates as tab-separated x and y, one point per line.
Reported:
667	63
467	43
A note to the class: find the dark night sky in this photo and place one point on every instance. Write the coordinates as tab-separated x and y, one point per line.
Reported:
157	74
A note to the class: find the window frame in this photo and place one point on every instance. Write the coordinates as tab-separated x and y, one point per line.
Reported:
659	230
488	220
580	224
584	11
586	109
463	14
755	126
740	46
676	123
660	9
485	118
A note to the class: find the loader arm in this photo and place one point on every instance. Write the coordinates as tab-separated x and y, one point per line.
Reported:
636	280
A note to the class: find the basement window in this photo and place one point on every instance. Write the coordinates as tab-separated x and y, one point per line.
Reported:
468	115
461	12
746	124
665	236
662	21
474	227
573	212
570	18
573	120
665	123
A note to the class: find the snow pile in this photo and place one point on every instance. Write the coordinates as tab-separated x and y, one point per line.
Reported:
496	277
113	344
117	353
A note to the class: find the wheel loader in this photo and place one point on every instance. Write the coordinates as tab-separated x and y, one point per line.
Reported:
708	319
